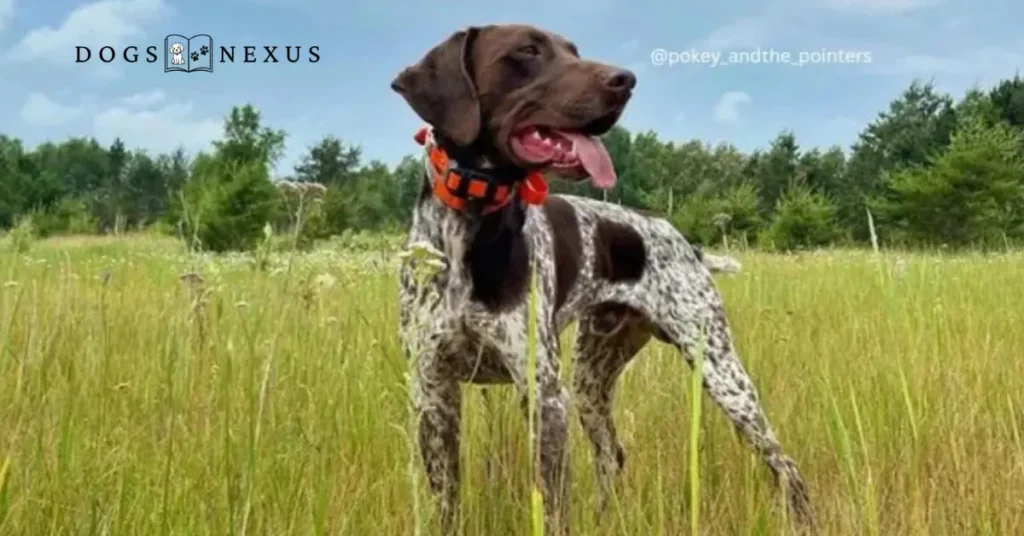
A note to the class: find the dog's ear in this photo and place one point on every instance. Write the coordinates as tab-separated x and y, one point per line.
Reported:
440	88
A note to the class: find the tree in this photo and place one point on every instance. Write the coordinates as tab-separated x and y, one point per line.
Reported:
916	126
409	181
776	170
110	199
901	168
1008	100
329	162
732	215
977	105
246	141
970	195
14	181
230	197
823	171
803	219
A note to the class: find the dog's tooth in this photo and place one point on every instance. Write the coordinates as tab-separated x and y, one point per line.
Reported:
535	135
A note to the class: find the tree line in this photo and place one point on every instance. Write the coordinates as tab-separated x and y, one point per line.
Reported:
928	171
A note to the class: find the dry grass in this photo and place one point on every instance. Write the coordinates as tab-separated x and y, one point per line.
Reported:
135	402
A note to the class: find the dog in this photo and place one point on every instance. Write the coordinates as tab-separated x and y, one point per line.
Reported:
503	105
176	57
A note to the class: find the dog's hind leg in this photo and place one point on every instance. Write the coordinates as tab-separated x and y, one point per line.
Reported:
608	337
550	418
696	322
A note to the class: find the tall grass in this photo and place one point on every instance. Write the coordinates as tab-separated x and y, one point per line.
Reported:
274	401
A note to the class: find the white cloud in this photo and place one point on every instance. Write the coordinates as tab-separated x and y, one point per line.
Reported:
728	108
6	13
146	120
745	33
983	65
115	23
158	129
878	6
144	100
41	111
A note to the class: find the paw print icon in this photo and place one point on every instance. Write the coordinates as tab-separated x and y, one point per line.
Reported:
188	54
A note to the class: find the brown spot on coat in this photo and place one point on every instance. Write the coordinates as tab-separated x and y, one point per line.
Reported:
619	252
568	246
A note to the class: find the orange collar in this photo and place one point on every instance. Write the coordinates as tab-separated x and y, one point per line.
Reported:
456	187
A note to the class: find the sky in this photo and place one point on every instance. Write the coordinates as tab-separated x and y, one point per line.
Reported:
683	92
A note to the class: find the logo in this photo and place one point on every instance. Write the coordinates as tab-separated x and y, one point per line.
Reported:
188	54
198	54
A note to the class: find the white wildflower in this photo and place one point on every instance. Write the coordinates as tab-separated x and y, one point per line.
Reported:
325	281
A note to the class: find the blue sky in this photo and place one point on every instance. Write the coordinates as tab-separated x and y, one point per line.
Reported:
45	95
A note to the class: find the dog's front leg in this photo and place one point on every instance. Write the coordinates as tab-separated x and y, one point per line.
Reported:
435	392
438	404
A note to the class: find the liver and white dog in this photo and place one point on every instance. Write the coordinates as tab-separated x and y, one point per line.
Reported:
503	104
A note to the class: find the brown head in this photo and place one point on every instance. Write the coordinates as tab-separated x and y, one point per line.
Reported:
519	96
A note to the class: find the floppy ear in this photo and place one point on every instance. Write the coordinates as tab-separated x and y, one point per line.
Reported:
440	89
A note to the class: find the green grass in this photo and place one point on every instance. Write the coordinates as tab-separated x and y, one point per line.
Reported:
133	402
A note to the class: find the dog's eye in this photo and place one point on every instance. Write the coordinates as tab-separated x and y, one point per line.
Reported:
530	50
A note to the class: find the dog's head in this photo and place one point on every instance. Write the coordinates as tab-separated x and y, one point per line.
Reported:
520	97
176	48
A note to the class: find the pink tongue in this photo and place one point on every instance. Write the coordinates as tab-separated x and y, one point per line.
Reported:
595	159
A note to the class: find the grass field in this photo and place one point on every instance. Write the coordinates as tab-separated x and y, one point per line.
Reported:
134	401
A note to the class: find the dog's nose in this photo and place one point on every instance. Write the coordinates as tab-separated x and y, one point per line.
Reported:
621	80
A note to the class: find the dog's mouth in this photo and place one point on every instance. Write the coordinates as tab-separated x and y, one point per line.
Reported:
569	153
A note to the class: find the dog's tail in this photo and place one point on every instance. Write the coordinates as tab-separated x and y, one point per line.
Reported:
718	263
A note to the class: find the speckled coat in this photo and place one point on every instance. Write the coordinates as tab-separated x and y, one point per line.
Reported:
626	277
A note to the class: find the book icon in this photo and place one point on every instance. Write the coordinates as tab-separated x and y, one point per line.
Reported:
188	54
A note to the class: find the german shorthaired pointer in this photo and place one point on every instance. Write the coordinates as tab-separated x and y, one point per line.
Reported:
504	103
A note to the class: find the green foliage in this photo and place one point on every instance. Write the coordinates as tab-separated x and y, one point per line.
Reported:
230	198
247	141
228	204
972	194
1008	100
23	235
777	169
916	126
696	220
733	214
737	213
921	187
329	163
803	219
352	241
132	403
70	216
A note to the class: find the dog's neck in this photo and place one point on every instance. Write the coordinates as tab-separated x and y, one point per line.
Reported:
475	157
490	246
472	161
